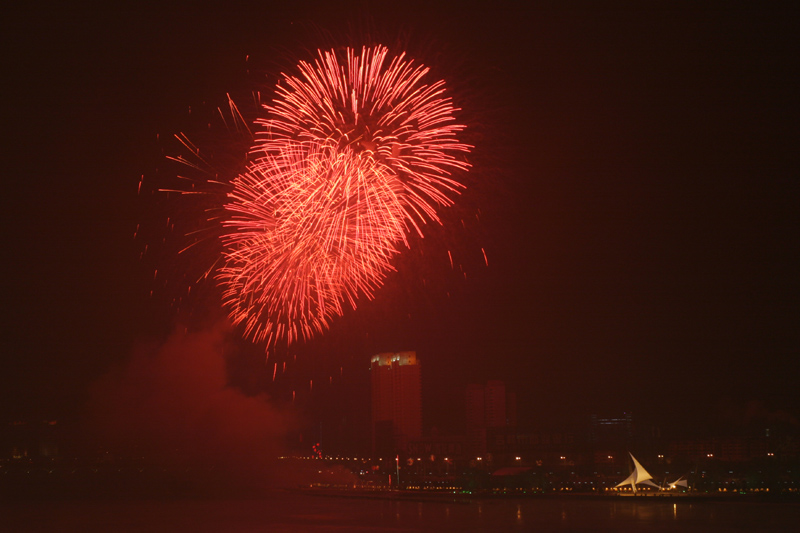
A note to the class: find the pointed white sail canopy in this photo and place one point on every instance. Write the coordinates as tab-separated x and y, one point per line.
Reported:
639	475
680	482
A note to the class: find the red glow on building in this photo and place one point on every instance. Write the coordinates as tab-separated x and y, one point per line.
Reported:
396	401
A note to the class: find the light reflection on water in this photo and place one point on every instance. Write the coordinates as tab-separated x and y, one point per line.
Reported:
284	512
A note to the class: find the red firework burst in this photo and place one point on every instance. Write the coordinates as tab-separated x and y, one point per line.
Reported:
384	111
350	158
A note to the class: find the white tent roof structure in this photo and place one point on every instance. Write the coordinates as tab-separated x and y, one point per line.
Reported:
680	482
638	476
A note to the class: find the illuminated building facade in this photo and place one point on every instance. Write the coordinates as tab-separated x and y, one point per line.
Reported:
396	401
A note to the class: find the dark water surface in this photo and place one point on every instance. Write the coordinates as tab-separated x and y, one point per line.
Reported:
284	512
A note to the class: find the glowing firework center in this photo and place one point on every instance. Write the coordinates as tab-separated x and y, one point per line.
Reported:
351	157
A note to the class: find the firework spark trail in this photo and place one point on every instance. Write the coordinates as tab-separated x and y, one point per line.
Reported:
350	158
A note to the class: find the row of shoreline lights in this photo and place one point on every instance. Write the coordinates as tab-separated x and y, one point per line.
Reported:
331	458
516	458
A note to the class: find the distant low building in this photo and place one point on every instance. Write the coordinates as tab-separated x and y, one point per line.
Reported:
617	429
23	439
438	446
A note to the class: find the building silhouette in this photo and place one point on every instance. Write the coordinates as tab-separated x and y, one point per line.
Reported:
396	402
617	429
488	407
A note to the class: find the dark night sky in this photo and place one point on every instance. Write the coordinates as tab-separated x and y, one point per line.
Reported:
635	171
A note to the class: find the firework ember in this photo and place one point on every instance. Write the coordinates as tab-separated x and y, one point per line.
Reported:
350	158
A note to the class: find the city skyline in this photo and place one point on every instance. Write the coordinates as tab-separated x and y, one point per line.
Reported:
630	215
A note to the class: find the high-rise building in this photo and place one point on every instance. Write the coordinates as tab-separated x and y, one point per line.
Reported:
488	406
511	409
476	419
495	404
396	401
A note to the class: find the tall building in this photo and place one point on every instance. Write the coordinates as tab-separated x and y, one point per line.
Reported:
495	404
488	406
476	420
396	401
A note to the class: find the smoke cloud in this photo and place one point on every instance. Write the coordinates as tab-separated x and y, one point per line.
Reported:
170	407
